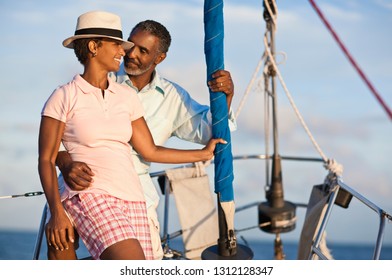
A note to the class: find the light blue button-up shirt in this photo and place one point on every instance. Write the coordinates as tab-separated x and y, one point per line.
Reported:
169	111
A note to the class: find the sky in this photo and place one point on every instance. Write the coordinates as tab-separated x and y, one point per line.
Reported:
342	114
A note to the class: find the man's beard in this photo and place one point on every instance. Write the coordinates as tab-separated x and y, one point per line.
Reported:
138	71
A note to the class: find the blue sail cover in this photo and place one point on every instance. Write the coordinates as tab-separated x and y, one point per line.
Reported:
213	49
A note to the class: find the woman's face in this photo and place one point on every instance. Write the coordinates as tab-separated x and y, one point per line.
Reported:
109	54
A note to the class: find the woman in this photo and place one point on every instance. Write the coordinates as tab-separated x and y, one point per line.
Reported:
95	119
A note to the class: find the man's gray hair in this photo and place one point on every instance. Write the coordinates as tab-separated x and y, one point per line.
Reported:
156	29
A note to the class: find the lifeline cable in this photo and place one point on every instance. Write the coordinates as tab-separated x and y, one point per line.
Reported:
29	194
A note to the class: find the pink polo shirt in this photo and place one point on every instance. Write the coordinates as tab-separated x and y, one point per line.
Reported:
97	131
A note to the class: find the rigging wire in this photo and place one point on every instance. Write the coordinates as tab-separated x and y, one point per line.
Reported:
272	60
329	164
249	87
351	59
254	79
273	12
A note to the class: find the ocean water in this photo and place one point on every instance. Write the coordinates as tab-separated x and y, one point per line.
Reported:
16	245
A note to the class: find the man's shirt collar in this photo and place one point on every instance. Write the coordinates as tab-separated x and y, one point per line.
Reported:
122	77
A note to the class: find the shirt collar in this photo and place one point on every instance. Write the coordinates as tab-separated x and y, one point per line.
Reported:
122	78
86	87
156	81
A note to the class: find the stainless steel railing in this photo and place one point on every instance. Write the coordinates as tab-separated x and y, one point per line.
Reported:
382	215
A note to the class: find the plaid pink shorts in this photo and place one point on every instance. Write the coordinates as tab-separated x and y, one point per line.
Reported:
103	220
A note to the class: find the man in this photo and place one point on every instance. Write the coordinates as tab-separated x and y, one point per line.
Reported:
169	111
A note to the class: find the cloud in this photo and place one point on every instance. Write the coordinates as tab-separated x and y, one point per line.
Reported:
341	13
384	4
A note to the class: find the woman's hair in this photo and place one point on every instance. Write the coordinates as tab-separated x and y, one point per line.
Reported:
156	29
81	48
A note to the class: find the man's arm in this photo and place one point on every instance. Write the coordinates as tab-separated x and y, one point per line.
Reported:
77	175
194	122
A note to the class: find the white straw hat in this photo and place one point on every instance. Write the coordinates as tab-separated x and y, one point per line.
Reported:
98	24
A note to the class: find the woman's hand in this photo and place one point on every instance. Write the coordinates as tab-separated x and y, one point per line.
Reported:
211	145
59	231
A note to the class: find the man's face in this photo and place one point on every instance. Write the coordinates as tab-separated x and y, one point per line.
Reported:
144	55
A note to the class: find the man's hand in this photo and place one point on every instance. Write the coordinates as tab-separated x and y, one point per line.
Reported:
222	82
77	175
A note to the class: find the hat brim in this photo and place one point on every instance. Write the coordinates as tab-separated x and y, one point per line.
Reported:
68	43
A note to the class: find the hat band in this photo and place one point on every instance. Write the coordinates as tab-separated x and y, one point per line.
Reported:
100	31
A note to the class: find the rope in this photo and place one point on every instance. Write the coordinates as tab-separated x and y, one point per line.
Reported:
252	81
274	20
273	15
330	164
351	59
272	60
249	87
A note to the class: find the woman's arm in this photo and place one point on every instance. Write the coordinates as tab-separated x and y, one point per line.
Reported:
59	230
143	143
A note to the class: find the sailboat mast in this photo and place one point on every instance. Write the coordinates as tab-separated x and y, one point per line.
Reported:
275	195
275	215
272	75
